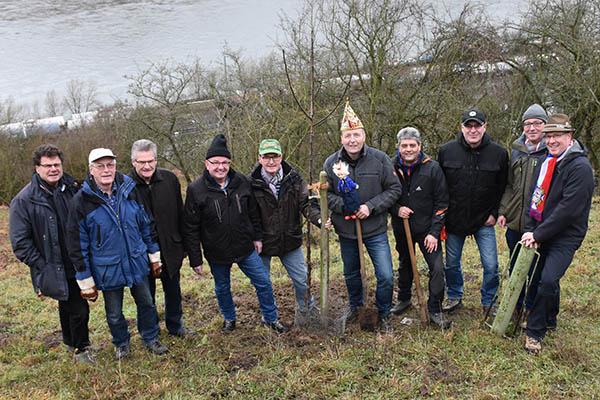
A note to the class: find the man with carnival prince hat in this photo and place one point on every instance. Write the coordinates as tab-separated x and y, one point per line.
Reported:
557	221
359	172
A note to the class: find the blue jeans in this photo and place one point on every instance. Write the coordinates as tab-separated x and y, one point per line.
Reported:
173	309
147	317
378	248
253	267
294	264
488	252
512	238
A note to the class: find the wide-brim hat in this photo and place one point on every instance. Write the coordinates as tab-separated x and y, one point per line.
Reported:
558	123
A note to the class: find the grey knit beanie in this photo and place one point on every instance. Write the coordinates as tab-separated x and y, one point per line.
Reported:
535	111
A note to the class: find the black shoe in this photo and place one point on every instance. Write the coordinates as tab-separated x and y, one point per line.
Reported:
452	305
122	352
352	315
156	348
439	320
228	326
385	325
277	326
183	332
400	307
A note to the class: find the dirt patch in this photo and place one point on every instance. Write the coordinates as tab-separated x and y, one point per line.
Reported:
53	340
442	371
241	361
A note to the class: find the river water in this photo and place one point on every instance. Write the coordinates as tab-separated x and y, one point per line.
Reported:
46	43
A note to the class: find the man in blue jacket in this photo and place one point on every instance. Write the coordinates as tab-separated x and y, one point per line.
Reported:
38	220
110	244
557	221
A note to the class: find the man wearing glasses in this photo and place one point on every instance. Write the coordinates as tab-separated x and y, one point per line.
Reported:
476	171
220	214
160	193
282	198
38	228
527	151
111	246
556	221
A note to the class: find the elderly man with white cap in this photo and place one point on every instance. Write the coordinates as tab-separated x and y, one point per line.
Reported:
111	247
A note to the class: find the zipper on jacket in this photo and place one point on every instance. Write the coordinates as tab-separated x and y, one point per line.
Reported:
218	209
237	198
104	275
98	236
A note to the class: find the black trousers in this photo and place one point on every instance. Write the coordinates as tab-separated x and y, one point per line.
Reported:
435	261
555	258
74	316
173	308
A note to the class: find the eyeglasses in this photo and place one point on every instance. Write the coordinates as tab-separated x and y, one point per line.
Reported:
110	165
142	163
555	135
221	164
537	124
271	156
50	166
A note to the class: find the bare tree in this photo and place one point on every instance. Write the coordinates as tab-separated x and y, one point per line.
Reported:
81	96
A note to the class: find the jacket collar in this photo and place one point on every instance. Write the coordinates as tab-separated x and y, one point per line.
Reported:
157	176
485	140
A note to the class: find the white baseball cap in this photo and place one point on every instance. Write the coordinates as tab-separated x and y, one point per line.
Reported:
99	153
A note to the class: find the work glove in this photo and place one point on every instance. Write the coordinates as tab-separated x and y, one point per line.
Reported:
88	289
155	264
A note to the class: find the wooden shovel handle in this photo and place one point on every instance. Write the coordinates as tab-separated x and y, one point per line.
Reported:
361	257
413	262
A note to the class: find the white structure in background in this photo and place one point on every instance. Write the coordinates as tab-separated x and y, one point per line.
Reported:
48	125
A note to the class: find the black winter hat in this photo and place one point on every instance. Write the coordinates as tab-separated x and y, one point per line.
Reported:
218	147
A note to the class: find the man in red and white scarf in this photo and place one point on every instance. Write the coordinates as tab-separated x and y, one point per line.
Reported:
557	221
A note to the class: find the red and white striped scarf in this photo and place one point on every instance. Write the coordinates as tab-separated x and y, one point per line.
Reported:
542	186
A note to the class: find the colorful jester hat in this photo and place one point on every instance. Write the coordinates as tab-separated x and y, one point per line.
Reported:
350	119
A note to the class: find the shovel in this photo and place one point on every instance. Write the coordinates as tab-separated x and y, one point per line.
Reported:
367	316
413	262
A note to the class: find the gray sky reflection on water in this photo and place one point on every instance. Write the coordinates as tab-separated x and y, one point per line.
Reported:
46	44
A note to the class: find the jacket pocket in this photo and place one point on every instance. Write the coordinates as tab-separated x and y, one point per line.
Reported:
52	282
108	272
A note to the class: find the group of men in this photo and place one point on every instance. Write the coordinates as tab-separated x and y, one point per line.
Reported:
116	231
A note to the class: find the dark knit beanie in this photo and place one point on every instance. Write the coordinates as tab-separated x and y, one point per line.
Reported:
218	148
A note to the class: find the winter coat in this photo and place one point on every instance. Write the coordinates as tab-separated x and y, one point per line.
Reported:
516	199
281	217
225	223
111	246
567	208
425	192
163	203
34	235
476	179
378	189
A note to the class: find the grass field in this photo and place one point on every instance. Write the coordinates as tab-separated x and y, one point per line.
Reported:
464	362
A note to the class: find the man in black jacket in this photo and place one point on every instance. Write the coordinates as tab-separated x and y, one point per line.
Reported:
557	221
476	171
220	214
282	197
160	192
38	226
424	202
